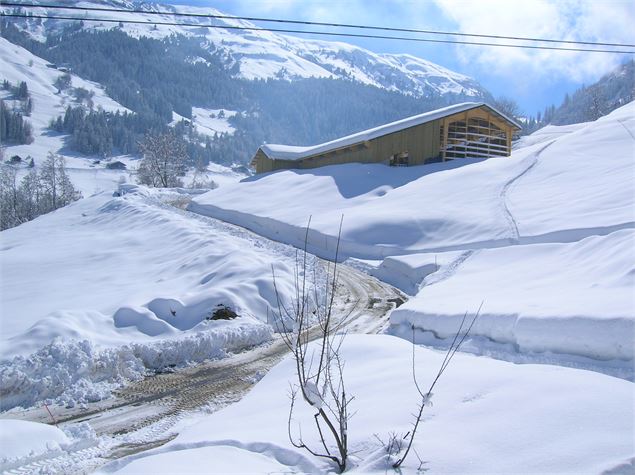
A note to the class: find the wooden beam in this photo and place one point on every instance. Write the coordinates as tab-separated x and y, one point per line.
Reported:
509	133
489	123
446	124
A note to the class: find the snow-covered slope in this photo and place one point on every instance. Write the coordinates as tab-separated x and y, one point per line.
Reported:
17	64
106	288
487	417
545	237
262	54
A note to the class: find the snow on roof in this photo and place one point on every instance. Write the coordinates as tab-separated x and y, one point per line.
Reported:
291	152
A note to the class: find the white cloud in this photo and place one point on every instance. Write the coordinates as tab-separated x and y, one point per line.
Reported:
578	20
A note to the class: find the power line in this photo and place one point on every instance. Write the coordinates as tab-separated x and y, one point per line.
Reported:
315	23
308	32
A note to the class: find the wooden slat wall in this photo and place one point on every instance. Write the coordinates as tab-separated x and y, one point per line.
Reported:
422	143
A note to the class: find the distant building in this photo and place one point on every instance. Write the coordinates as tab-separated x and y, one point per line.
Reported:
467	130
116	165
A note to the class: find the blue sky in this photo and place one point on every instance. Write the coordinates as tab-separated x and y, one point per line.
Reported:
534	79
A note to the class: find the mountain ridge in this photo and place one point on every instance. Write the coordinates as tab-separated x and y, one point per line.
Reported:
268	55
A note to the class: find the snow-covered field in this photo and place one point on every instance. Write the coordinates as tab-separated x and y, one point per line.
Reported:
545	239
487	416
212	121
109	287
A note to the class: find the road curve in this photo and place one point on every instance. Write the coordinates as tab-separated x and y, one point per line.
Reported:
145	414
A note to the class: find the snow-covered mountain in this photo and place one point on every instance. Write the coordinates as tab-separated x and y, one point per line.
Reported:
263	54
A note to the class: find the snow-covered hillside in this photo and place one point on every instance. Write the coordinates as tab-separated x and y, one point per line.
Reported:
262	54
107	288
100	292
545	238
17	65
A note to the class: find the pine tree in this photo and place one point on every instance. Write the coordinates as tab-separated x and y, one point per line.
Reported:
23	91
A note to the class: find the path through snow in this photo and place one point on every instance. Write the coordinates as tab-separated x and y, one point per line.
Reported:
152	411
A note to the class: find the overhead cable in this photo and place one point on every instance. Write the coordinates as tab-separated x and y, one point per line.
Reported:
309	32
311	23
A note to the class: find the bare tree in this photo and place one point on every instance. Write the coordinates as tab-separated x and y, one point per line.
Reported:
426	396
507	106
63	82
164	160
57	189
36	194
319	368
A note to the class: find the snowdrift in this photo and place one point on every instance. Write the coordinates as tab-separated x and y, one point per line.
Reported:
577	184
573	298
107	288
503	418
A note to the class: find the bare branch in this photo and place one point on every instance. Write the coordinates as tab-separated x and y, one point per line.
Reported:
425	397
320	383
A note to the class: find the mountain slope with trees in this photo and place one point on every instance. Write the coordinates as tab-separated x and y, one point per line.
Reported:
159	75
589	103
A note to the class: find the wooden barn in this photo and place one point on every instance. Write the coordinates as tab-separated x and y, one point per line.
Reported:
467	130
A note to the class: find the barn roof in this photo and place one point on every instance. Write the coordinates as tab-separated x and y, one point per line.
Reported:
291	152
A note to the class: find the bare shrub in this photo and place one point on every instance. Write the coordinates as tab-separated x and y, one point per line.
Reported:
426	396
319	368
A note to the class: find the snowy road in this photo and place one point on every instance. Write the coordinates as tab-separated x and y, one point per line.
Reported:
150	412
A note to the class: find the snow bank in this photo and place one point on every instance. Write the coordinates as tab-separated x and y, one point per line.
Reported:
28	446
22	438
225	459
547	134
563	298
407	272
139	281
504	418
74	372
581	184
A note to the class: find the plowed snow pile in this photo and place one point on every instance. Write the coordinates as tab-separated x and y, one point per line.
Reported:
545	238
107	288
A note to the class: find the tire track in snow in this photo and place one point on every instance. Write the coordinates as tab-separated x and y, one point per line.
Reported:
146	414
512	223
447	270
627	129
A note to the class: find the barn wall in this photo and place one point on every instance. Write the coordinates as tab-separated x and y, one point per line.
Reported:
422	142
263	164
477	149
